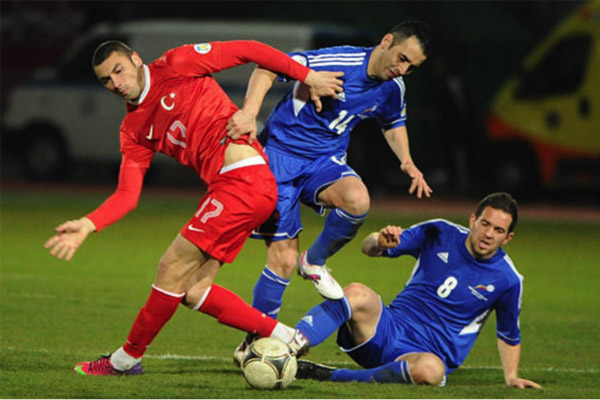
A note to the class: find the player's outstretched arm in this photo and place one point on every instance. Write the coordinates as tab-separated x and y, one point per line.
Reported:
387	238
397	139
69	236
509	357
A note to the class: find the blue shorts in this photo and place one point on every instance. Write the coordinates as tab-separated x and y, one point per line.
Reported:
392	339
299	180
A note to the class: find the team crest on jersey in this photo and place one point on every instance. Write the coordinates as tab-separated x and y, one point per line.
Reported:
486	288
365	114
299	59
202	48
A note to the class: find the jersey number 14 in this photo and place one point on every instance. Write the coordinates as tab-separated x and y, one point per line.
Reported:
340	124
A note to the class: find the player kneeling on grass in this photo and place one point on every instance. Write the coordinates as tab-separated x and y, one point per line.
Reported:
427	331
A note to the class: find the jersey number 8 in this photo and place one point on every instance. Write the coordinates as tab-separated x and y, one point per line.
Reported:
447	287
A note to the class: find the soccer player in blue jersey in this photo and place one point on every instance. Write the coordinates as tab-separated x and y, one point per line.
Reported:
426	332
306	145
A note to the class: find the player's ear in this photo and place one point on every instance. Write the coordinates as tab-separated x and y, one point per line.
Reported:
387	40
472	221
508	238
136	59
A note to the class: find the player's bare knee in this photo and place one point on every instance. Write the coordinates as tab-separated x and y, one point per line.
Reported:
358	295
427	370
356	201
283	263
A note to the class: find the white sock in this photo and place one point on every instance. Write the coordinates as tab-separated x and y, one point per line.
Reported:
123	361
283	333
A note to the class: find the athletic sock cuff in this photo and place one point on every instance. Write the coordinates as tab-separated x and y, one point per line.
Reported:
354	219
267	273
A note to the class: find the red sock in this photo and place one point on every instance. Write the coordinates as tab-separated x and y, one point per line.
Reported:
231	310
159	308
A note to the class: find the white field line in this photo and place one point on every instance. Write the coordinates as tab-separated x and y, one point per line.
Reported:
168	356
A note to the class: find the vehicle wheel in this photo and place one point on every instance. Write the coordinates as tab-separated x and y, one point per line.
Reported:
45	158
515	169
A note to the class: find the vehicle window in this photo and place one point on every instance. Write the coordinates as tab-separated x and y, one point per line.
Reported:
77	64
560	71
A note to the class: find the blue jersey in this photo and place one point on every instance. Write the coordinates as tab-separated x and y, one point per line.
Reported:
450	294
294	126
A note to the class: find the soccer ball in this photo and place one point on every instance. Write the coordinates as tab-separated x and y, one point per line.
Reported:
268	364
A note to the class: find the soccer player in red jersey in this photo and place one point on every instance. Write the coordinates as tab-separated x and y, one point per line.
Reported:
175	107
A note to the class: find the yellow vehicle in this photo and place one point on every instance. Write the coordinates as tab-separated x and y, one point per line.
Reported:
545	123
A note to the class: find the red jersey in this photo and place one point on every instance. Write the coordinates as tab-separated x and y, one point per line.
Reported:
183	112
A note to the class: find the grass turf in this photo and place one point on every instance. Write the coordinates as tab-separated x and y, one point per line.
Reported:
56	313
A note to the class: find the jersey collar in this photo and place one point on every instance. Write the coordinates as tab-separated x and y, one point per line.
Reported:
147	86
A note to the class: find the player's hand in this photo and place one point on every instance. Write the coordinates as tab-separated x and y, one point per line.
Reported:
418	184
324	84
242	123
389	237
69	236
523	383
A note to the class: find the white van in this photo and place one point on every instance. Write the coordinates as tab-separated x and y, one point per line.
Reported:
67	119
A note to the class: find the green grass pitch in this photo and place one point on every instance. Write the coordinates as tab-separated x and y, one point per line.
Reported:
55	313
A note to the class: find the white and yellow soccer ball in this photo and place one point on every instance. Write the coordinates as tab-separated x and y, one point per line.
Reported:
268	364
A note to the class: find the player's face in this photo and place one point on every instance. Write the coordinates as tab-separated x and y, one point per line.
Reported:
489	231
396	60
122	75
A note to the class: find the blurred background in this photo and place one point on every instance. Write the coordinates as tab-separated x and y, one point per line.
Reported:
509	100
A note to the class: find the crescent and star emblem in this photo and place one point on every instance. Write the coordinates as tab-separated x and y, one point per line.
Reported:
164	105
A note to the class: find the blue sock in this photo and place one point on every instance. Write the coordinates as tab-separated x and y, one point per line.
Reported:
340	228
324	319
394	372
268	292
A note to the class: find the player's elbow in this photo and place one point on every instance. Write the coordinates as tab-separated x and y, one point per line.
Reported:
129	205
361	297
369	245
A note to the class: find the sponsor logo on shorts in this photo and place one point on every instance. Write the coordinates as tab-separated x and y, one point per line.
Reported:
339	161
194	229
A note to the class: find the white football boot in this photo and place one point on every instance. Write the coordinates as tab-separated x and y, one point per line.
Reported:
325	283
299	344
240	352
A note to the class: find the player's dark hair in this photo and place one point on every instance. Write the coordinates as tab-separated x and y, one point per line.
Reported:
500	201
105	49
418	29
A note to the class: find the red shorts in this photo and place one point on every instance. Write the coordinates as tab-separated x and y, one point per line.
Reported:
236	202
